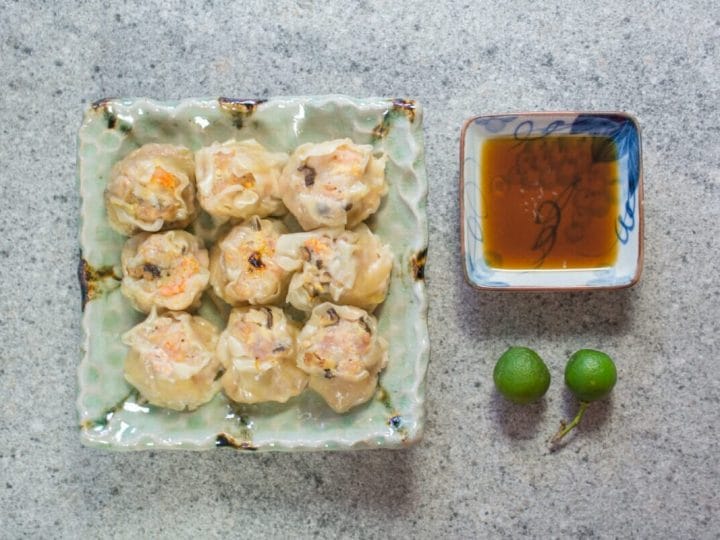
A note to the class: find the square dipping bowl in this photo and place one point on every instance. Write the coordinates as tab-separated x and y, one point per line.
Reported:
622	129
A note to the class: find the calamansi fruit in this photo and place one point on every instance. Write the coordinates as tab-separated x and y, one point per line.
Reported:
590	375
521	375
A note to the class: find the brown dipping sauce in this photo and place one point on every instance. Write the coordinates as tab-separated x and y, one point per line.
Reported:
550	202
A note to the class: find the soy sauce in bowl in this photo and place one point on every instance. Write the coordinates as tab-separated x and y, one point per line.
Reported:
549	202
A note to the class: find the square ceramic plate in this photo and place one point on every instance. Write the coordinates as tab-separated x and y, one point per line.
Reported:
624	131
111	415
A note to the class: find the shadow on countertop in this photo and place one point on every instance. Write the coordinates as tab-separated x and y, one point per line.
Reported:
521	422
323	485
524	314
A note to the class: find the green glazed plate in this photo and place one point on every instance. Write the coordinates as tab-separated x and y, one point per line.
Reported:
111	414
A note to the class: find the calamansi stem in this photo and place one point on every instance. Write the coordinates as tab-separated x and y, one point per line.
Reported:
566	428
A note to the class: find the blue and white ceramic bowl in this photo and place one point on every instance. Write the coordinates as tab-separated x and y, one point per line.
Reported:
624	131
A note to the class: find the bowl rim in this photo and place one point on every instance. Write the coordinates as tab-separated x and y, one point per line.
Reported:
541	288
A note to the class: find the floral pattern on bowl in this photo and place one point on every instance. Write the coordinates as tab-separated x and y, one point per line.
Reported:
623	130
112	416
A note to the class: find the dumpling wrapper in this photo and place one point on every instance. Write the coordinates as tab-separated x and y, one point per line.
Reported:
239	180
345	267
172	360
257	350
333	184
243	266
340	349
152	189
167	270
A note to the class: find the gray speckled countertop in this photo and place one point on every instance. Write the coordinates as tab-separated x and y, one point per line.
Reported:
644	464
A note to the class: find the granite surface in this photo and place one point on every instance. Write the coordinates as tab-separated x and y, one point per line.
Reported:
644	464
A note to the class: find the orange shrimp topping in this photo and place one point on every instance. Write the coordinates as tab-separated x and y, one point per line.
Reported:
165	179
316	245
246	180
186	269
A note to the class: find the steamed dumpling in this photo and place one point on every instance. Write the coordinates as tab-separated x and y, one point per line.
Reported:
340	349
333	184
239	179
152	189
345	267
243	268
168	270
257	350
172	360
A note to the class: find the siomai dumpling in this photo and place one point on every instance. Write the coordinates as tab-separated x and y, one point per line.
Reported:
333	184
152	189
172	360
239	180
340	349
168	270
345	267
243	269
257	350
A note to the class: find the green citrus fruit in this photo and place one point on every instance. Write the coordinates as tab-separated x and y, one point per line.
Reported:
590	374
521	375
